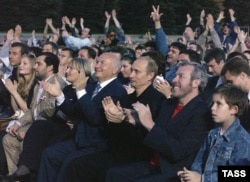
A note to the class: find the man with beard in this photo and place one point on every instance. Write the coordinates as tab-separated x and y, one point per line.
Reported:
42	107
176	134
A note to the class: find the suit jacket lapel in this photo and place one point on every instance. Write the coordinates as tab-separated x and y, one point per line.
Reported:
103	90
34	100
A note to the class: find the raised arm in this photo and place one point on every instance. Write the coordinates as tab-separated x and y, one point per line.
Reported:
160	36
217	23
73	30
82	23
189	19
51	26
240	41
45	30
114	17
106	26
120	31
220	17
4	52
214	34
202	16
231	13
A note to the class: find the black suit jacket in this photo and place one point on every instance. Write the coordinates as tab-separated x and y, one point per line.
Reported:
245	119
179	139
208	92
5	105
89	114
126	140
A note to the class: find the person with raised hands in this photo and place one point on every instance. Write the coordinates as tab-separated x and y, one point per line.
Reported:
227	35
41	108
116	33
56	33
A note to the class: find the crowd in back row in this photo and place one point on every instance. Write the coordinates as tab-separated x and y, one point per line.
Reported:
116	110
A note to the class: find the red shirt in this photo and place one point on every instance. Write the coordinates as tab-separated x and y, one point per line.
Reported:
155	158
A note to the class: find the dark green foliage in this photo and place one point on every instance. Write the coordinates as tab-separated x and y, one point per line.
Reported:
134	15
241	8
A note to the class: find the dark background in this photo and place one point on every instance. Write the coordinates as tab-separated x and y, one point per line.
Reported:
134	15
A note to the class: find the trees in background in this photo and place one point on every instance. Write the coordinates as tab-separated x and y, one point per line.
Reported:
133	15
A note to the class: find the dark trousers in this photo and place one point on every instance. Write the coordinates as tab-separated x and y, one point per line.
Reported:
56	158
139	172
3	162
39	135
91	168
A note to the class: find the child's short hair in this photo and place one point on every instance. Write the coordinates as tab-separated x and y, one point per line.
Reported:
233	96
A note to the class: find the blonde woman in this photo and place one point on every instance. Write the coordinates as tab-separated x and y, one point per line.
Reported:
22	90
21	94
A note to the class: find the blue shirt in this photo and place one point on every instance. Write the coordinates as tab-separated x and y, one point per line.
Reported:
232	148
170	73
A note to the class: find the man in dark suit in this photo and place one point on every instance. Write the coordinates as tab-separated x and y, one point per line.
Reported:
182	122
215	60
89	114
237	72
176	134
15	52
125	141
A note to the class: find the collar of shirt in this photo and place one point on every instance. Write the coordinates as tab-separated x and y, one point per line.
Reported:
220	81
105	83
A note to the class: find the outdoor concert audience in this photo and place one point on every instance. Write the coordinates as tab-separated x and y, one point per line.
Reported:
229	138
135	109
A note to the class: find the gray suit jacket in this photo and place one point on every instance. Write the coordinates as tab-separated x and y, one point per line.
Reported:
45	107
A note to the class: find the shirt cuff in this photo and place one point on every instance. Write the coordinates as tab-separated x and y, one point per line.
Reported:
80	93
11	123
60	99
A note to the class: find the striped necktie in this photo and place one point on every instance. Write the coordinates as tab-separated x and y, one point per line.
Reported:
97	88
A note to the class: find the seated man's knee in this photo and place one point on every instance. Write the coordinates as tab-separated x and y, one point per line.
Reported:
10	141
7	140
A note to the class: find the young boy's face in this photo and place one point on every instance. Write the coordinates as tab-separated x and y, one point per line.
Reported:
221	112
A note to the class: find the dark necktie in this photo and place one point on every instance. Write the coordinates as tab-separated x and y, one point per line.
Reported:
97	88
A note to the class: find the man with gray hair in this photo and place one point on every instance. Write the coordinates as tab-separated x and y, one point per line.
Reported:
176	134
89	115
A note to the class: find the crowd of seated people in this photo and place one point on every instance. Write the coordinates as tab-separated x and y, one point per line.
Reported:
114	109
